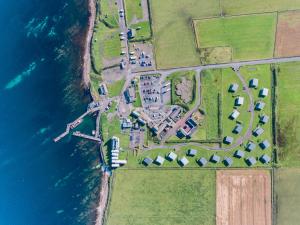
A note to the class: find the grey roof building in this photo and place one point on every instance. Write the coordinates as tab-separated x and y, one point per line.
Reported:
258	131
239	101
147	161
159	160
250	146
264	119
234	114
228	140
202	161
192	152
237	129
215	158
260	106
228	161
171	156
265	144
183	161
263	92
251	161
265	159
253	83
233	87
239	154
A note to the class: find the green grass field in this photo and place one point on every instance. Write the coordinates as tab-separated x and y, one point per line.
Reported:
144	33
287	193
249	37
114	89
288	108
174	39
134	10
163	197
109	13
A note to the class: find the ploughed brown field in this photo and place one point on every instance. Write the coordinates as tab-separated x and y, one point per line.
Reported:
243	197
288	34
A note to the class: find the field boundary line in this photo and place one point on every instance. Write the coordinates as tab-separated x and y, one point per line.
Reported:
269	167
275	35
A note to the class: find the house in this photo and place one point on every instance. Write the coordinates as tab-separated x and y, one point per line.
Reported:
250	146
131	33
114	143
251	161
258	131
228	140
103	89
135	114
253	83
228	161
183	161
130	95
188	128
263	92
171	156
159	160
192	152
237	129
265	144
234	114
260	106
265	159
233	87
126	124
239	101
239	154
215	158
147	161
202	161
264	119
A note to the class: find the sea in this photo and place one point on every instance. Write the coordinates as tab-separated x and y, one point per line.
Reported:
42	182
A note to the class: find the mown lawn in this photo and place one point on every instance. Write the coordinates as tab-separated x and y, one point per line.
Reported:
163	197
109	13
114	89
250	37
288	108
134	10
174	39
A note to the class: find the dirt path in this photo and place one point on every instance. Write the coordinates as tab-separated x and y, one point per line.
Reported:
102	198
86	67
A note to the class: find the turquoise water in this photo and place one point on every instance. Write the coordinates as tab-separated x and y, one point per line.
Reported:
42	182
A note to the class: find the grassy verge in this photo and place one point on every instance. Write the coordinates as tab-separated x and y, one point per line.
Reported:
115	88
134	10
163	197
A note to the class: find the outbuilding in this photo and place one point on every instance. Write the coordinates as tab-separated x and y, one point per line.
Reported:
202	161
183	161
265	159
237	129
228	140
239	101
239	154
251	161
235	114
215	158
233	87
159	160
253	83
263	92
171	156
264	119
265	144
228	161
192	152
260	106
250	146
147	161
258	131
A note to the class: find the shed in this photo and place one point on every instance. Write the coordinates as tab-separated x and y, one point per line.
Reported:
253	83
215	158
264	119
239	101
258	131
202	161
237	129
228	161
250	146
159	160
265	159
147	161
260	106
234	114
265	144
183	161
192	152
171	156
250	161
131	33
263	92
228	140
233	87
239	154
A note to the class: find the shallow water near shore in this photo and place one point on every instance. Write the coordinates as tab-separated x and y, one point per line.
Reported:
42	182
